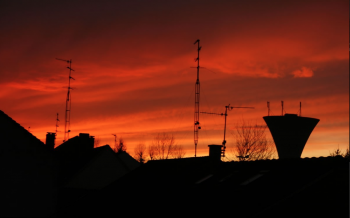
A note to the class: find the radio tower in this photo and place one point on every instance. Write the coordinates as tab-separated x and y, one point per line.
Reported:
68	101
196	105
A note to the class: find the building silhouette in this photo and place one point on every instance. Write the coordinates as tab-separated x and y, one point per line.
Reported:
28	172
290	133
77	180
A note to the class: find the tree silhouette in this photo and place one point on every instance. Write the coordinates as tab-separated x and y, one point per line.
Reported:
338	152
163	147
96	142
346	154
251	142
120	146
140	153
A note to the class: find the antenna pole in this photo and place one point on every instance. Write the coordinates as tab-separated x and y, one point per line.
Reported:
115	142
196	105
268	108
224	142
300	109
68	101
57	120
282	107
228	107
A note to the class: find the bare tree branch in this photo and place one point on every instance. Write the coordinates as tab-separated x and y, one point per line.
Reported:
338	152
163	147
96	142
251	142
120	146
140	153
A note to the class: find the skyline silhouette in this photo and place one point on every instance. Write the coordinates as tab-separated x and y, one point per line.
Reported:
133	70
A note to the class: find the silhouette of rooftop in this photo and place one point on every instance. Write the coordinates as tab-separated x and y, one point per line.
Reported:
97	182
28	172
78	156
12	133
246	189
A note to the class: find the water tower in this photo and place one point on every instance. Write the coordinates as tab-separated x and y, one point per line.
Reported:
290	133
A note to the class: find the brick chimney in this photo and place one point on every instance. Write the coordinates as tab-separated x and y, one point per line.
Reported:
50	140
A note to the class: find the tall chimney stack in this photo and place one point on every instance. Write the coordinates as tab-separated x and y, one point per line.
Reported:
215	152
50	140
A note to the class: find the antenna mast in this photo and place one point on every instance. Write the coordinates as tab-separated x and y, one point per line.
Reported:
268	108
228	107
57	120
115	142
196	105
68	101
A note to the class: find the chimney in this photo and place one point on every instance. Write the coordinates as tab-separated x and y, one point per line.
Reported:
50	140
87	140
215	152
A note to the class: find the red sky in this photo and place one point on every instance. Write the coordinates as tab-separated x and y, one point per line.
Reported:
133	59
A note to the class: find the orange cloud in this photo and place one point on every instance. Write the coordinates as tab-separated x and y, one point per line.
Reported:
304	72
132	66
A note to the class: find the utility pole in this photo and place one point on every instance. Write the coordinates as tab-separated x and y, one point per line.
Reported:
196	104
68	101
227	108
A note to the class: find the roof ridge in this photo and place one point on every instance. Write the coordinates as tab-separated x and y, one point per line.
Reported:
20	126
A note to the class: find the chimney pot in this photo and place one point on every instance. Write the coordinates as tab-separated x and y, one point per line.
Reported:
50	140
215	152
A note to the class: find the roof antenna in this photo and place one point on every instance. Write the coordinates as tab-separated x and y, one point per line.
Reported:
115	142
268	108
300	110
196	104
228	107
57	120
68	101
282	107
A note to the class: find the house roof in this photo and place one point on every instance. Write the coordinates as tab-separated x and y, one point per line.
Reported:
79	159
28	172
244	189
17	138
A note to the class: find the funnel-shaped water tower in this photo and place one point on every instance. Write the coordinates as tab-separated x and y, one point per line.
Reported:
290	133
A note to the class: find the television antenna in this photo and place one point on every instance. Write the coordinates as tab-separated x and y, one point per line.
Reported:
115	142
68	101
57	120
227	108
196	104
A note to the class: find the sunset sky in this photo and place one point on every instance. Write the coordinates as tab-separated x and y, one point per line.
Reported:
134	74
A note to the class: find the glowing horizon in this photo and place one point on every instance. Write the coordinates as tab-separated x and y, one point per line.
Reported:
133	74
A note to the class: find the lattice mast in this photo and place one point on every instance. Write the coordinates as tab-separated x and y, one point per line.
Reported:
57	120
68	101
196	104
